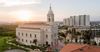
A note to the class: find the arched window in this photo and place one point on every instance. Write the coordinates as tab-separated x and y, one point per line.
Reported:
49	19
35	35
30	41
26	40
26	34
22	34
30	35
22	40
46	42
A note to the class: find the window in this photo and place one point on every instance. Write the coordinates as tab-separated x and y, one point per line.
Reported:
22	34
26	34
35	35
46	36
49	19
30	41
30	35
22	40
46	42
26	40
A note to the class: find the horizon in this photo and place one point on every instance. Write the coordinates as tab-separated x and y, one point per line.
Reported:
36	10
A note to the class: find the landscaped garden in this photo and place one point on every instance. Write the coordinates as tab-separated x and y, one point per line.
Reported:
3	44
7	32
42	48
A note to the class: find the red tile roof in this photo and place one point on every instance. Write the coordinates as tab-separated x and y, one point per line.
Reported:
93	49
79	48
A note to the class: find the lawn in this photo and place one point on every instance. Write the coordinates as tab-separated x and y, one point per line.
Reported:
3	44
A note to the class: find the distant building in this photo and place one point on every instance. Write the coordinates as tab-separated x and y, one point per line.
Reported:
80	48
66	21
81	20
59	23
82	23
77	21
94	33
95	23
38	33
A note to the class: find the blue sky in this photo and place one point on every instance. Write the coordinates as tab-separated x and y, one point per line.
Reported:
39	8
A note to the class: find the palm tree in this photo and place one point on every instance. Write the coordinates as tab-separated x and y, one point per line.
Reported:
62	34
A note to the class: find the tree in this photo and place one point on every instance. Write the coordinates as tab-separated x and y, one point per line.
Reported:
73	34
87	36
77	35
35	41
62	35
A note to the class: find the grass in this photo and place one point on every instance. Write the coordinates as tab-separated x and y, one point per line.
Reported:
42	48
3	44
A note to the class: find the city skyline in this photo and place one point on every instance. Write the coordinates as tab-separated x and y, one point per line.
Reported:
38	9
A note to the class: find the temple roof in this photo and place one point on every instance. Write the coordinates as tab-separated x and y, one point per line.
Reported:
36	23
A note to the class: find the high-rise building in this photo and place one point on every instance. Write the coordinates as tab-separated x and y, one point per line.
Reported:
81	20
66	21
76	20
71	21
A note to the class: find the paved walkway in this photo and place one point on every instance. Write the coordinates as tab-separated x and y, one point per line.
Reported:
8	42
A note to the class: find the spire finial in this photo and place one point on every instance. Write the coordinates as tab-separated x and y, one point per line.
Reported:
50	6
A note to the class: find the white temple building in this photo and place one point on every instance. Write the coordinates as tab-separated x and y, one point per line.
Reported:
38	33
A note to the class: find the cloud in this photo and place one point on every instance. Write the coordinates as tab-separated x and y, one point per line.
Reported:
7	3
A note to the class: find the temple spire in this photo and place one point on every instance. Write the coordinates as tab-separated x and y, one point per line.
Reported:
50	6
50	15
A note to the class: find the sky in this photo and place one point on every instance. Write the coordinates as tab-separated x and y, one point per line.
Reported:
38	9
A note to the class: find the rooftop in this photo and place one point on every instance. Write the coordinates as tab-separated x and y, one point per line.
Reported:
79	48
36	23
